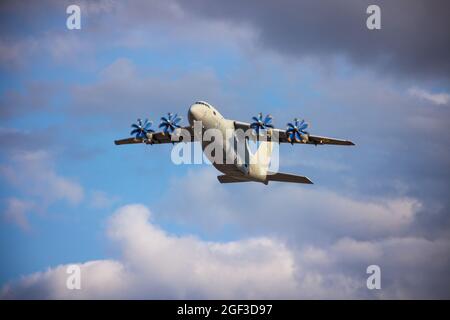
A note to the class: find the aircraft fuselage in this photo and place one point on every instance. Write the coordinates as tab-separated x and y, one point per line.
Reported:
213	119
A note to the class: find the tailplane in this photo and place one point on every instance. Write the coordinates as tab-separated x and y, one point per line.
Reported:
225	178
281	177
286	177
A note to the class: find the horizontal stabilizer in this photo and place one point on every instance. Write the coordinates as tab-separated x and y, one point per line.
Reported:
230	179
286	177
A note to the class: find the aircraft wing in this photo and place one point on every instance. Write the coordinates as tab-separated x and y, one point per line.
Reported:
312	139
160	137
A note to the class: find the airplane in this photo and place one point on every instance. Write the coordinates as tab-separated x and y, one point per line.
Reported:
246	167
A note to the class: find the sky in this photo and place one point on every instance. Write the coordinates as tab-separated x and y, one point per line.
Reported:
142	227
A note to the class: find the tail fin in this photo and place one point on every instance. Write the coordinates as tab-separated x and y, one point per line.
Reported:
264	154
286	177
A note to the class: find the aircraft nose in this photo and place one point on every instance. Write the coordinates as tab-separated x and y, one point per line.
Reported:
195	113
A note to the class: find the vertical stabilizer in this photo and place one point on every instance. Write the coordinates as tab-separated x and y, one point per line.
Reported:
263	156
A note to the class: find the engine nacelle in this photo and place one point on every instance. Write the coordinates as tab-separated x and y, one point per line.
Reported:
305	138
149	136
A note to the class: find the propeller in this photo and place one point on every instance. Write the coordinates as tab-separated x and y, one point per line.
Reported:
170	123
260	123
296	131
141	129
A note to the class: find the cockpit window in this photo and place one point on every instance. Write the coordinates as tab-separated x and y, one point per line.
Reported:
204	103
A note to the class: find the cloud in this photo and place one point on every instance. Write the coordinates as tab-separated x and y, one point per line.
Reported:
435	98
34	98
308	214
332	230
339	270
411	43
123	89
13	54
412	40
100	279
155	264
32	172
17	53
16	212
100	199
14	140
105	26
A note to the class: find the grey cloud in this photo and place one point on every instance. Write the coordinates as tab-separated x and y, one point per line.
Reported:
35	98
124	89
413	41
311	215
14	140
334	236
411	267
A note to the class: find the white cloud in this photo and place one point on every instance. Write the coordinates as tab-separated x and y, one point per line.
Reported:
100	278
155	264
100	199
32	172
436	98
246	268
16	212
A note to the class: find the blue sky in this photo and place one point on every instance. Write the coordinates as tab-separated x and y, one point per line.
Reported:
67	192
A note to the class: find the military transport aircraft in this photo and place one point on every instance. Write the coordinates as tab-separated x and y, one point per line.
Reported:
246	166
